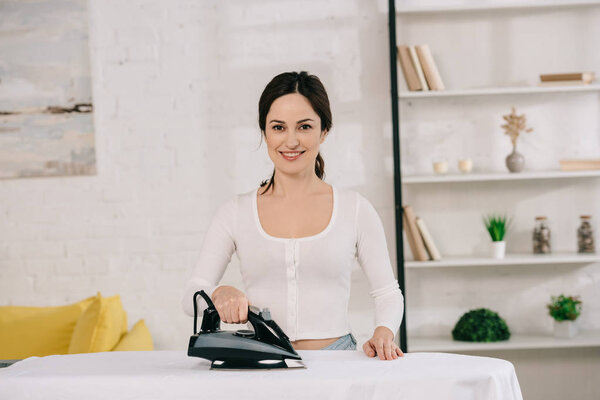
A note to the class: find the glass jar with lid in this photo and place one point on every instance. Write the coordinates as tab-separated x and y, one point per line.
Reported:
541	236
585	235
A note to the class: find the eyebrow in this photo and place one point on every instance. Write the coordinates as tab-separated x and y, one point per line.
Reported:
283	122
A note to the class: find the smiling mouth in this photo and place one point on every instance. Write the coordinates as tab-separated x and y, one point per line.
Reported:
291	155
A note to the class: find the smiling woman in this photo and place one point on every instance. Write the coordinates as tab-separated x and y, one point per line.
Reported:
297	236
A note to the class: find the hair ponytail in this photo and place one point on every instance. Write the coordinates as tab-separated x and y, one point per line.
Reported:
320	166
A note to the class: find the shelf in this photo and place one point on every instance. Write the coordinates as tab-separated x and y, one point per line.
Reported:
508	5
516	342
498	176
498	91
510	259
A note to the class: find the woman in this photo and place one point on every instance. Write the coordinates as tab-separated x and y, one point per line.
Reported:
297	236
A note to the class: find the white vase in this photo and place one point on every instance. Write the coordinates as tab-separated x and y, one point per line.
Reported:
565	329
498	249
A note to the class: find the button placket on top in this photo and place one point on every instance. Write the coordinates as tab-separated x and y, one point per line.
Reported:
292	247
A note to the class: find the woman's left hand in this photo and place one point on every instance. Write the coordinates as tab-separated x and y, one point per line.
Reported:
382	344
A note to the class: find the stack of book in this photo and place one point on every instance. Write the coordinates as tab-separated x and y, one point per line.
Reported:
419	239
420	71
573	78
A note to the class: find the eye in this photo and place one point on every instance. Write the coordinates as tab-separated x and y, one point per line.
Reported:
277	127
305	127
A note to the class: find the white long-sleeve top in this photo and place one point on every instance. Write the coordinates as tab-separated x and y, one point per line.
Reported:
305	281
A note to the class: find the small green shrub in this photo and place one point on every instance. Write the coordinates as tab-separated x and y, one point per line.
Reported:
496	225
563	308
480	325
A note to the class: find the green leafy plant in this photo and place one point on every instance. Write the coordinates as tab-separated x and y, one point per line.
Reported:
481	325
565	308
496	225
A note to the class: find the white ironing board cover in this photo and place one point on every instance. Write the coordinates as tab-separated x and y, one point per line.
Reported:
329	375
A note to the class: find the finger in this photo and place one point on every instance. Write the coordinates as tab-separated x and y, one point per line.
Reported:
235	314
399	352
387	348
373	349
368	350
221	312
229	314
243	312
379	349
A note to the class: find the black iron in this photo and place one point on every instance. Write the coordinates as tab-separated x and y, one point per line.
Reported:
264	347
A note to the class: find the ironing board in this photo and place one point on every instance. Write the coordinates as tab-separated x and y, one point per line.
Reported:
328	375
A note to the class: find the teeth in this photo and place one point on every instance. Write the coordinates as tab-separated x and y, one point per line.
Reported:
291	154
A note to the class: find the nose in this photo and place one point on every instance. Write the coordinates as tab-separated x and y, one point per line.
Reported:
291	139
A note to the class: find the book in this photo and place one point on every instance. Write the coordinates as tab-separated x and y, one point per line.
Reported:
412	232
417	64
429	68
410	73
579	165
428	240
564	83
573	76
409	237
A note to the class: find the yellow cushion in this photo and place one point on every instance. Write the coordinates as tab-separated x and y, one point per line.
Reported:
137	339
38	331
100	326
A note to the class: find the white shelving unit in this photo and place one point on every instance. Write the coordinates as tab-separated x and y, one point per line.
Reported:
405	11
510	259
496	176
488	6
498	91
516	342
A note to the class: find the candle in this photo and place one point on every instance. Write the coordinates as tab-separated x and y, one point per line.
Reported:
440	167
465	165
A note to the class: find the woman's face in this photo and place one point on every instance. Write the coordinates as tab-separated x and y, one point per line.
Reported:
293	134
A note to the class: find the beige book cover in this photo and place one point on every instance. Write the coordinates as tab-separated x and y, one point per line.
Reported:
579	165
417	64
573	76
410	74
409	236
429	68
416	244
428	240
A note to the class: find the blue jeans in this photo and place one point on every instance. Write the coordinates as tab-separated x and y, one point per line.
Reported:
346	342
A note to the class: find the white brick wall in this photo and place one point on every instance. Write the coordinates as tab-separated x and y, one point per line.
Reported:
176	87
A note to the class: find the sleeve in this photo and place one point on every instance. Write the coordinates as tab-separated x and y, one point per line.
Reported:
373	256
215	254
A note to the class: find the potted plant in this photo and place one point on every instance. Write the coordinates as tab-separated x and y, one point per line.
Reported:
481	325
564	310
515	162
497	225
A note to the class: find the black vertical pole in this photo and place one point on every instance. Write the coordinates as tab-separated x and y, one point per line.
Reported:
397	176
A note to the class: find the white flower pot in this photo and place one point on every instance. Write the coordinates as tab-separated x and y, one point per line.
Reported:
565	329
498	249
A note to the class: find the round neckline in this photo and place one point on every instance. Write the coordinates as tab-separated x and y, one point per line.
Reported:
285	239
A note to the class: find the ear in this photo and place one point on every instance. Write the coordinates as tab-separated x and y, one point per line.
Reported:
323	135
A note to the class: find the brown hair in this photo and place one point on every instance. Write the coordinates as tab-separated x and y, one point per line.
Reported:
309	86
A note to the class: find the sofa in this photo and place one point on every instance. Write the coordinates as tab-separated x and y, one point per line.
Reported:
91	325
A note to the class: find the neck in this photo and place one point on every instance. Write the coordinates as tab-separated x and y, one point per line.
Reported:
295	186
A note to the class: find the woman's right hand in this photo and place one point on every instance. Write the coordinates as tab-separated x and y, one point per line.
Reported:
231	304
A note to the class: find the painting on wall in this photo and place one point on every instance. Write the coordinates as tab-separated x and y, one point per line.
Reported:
46	119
